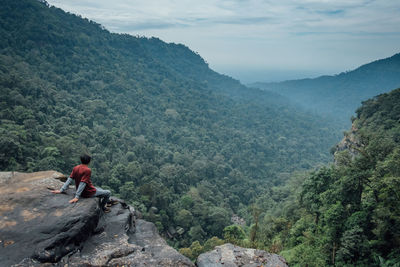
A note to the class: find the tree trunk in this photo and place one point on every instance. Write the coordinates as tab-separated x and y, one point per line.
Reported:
333	253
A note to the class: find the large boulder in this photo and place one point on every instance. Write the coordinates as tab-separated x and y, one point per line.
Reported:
229	255
38	227
34	223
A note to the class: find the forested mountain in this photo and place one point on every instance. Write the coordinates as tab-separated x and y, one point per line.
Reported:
184	144
345	214
340	95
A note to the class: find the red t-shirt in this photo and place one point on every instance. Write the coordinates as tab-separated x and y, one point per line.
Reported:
81	173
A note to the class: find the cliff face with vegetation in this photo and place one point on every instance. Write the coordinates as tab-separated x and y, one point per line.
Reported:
346	214
187	146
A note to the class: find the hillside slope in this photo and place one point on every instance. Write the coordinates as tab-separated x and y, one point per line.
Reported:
166	133
341	94
345	214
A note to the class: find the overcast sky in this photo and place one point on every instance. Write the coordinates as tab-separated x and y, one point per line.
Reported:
260	40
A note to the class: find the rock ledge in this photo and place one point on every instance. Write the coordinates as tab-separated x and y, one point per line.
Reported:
229	255
38	228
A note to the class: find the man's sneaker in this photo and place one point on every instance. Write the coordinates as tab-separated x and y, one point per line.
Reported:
106	210
112	202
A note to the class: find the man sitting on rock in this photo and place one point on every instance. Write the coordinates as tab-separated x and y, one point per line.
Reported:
84	187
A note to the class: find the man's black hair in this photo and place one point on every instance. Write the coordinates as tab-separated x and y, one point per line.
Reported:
85	159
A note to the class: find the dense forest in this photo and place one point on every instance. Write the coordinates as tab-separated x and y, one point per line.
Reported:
343	214
193	149
186	146
340	95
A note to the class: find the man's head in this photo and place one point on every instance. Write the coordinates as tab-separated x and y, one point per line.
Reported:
85	159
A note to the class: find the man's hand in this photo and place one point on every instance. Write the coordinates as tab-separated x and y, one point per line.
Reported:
56	191
74	200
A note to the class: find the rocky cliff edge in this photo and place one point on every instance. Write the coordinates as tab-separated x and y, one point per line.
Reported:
39	228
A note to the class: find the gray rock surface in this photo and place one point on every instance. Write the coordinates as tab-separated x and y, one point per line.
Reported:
350	142
229	255
38	228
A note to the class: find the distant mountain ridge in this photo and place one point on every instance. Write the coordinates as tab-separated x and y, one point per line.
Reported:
341	94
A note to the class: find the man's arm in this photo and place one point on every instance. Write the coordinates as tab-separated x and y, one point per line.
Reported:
64	187
78	193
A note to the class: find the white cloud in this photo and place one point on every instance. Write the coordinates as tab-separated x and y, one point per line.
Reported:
291	34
